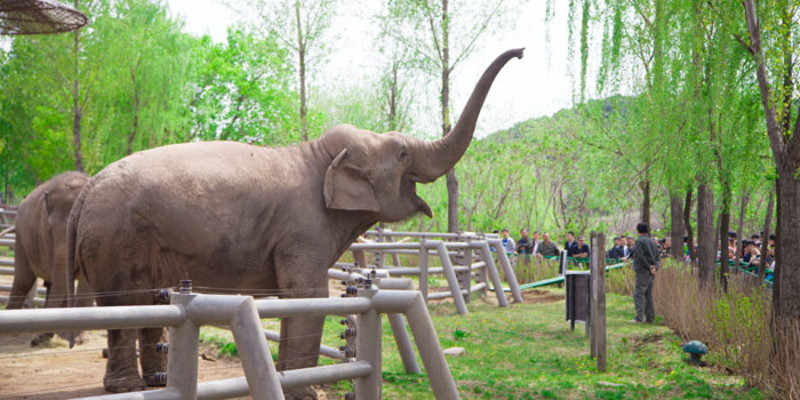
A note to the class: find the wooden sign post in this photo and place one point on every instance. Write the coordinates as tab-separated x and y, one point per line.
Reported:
598	300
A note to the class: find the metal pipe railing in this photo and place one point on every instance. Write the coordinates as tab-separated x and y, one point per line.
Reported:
188	311
83	319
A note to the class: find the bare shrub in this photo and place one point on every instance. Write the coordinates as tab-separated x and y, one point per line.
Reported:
621	280
737	327
784	368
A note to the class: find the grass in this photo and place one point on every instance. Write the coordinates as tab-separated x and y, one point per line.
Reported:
527	351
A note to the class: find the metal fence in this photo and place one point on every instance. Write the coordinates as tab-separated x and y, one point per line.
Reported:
474	259
188	311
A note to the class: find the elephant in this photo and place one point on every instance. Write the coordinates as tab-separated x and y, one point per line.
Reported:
41	243
234	215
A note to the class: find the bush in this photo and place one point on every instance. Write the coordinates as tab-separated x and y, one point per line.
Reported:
621	280
737	327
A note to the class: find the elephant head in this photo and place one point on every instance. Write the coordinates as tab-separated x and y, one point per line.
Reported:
378	173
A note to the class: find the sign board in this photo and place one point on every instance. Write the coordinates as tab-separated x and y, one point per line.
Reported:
578	291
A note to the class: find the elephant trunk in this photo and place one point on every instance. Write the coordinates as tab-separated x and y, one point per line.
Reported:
435	158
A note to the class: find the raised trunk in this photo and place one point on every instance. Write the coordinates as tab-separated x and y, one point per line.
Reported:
434	159
676	223
706	248
687	223
762	265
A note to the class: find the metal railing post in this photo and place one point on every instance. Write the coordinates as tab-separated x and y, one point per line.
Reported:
492	271
262	378
430	350
452	281
505	263
368	348
423	269
183	352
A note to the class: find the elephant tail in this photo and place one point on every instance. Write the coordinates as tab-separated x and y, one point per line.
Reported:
73	266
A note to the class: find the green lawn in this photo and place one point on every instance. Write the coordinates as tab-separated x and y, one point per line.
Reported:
527	351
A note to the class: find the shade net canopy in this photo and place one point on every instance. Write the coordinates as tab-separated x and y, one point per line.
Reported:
27	17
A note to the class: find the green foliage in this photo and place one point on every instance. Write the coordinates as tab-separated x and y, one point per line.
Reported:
243	91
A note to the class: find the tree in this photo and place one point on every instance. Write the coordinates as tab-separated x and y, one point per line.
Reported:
775	25
243	90
299	25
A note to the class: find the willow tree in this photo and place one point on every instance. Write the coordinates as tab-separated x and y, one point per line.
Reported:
775	26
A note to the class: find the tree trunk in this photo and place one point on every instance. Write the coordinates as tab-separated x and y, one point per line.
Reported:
676	222
135	128
687	223
77	113
724	227
785	296
645	210
740	229
762	265
452	180
706	248
301	53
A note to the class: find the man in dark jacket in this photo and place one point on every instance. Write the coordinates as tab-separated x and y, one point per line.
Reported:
645	265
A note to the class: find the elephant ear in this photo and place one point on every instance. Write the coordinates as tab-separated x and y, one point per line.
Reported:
347	188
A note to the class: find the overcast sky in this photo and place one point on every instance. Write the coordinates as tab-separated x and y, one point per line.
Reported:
537	85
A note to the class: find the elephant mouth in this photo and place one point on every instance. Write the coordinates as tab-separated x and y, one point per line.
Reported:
421	204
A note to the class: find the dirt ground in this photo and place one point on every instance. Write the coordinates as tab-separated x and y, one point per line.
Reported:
53	371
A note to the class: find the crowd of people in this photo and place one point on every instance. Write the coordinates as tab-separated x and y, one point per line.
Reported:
645	252
527	246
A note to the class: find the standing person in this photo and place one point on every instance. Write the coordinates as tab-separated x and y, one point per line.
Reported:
508	243
570	244
645	265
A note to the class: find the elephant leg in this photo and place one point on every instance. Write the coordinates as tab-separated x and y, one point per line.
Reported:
299	348
300	336
45	337
83	298
151	360
122	371
24	280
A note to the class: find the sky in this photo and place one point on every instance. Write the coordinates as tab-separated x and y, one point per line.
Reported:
539	84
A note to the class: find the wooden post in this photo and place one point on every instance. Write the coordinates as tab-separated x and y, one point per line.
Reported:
598	301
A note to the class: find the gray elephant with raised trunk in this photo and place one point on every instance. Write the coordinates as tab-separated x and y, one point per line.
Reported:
40	248
232	215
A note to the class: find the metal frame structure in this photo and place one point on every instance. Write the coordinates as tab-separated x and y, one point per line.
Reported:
459	289
188	311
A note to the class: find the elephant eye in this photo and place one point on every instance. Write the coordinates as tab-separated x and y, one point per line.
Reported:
403	156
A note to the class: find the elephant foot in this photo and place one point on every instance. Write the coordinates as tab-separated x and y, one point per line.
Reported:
42	339
305	393
156	380
123	384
